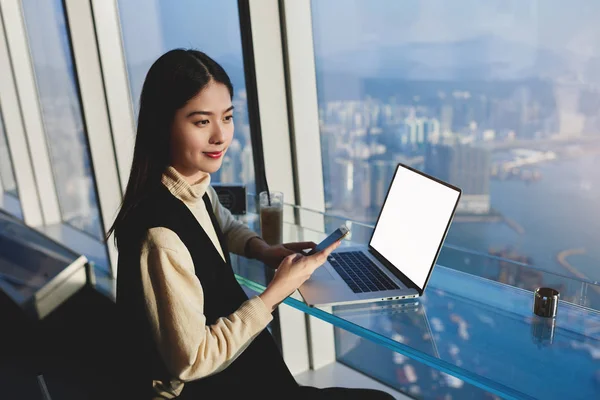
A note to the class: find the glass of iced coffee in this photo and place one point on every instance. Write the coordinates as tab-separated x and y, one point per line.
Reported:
271	217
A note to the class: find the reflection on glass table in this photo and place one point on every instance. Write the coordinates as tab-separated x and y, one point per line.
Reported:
466	328
36	273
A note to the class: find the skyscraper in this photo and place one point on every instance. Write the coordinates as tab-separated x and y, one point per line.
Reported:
431	131
362	185
420	127
447	118
411	129
466	166
247	173
381	176
342	184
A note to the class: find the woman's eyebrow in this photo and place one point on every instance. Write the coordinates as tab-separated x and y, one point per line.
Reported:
200	112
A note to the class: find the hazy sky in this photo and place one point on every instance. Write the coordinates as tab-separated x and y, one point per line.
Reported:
150	27
47	33
342	25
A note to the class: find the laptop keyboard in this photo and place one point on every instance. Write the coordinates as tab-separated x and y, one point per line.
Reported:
360	273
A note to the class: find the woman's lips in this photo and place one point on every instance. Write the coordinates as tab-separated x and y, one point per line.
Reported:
214	155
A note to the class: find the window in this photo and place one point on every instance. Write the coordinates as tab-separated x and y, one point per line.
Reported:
151	28
9	197
61	111
499	98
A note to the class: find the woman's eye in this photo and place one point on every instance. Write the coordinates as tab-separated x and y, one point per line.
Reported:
203	122
229	118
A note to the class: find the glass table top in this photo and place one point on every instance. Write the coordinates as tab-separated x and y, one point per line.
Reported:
474	328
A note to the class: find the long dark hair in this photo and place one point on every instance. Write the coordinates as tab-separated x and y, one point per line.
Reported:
171	82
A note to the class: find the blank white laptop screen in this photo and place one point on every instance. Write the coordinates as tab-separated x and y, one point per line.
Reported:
413	222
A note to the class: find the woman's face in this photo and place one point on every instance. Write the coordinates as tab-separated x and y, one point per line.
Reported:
201	132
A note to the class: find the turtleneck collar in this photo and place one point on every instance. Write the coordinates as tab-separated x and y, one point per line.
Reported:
181	189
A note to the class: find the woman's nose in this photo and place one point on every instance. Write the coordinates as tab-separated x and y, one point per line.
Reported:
218	136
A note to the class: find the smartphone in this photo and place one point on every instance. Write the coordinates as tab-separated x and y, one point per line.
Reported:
331	239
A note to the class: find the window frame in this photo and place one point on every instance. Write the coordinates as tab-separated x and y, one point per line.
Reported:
32	123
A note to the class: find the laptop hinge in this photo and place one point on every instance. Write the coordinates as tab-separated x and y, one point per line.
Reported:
407	282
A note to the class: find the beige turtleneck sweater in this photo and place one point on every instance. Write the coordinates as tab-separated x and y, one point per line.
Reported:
190	348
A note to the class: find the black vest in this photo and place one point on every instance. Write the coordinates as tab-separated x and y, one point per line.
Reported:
259	370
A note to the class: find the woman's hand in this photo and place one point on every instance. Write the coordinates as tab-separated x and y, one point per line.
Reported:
274	255
293	271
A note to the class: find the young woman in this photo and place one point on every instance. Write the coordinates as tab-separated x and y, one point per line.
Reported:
186	327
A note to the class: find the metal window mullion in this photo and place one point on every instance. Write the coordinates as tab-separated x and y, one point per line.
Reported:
116	83
301	82
32	121
271	96
15	137
260	28
95	112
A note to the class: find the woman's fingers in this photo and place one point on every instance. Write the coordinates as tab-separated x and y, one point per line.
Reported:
288	260
320	258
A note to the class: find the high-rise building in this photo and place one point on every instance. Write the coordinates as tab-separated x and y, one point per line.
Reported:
447	118
420	127
342	184
330	136
247	173
411	129
233	167
466	166
431	130
362	185
381	176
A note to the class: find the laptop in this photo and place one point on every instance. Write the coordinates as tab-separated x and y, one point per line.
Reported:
397	263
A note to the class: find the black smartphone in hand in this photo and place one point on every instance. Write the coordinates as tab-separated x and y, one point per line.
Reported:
338	234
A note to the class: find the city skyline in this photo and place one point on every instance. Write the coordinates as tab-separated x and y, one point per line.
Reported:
495	106
368	124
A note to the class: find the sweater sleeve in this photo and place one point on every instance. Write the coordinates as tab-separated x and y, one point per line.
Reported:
236	232
190	348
